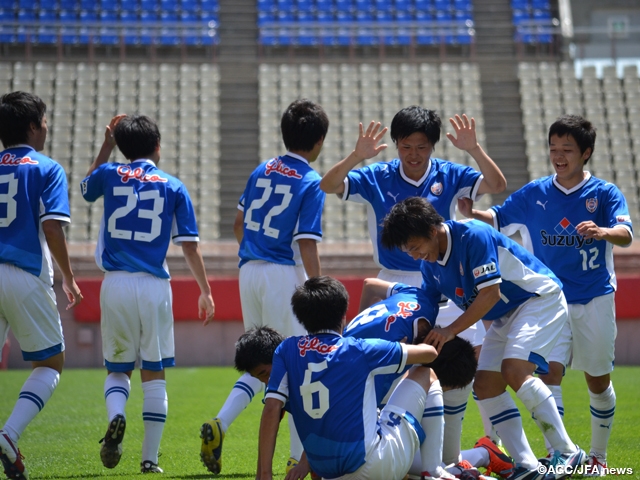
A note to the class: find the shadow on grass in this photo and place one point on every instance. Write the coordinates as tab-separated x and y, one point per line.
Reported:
186	476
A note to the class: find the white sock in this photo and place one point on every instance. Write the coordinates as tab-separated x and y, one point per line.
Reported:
35	393
455	404
433	425
154	415
295	445
487	426
538	399
478	457
505	417
603	407
116	393
240	396
556	391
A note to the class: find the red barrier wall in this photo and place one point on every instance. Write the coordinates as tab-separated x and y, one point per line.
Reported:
226	296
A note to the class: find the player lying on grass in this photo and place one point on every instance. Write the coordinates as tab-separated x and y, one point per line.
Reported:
406	314
492	277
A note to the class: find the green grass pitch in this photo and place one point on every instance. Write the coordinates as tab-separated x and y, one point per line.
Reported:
62	442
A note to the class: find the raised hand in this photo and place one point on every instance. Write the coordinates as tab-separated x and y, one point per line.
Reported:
465	130
367	144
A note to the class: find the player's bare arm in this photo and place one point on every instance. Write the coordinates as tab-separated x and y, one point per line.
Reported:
619	236
465	139
108	145
57	243
192	255
367	147
269	425
310	257
373	290
238	226
465	207
421	353
486	299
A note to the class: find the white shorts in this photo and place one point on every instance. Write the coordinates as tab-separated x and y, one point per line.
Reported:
589	336
448	312
265	294
136	321
392	455
529	333
28	307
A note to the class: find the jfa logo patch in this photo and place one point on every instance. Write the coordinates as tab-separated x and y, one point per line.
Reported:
592	204
483	270
623	218
436	188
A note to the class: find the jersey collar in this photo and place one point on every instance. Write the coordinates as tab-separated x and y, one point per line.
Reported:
422	179
20	145
447	254
297	157
571	190
144	160
327	332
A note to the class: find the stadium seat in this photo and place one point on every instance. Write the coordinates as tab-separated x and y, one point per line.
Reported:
46	32
68	5
24	32
304	6
7	4
324	5
88	5
148	34
7	33
189	6
148	5
130	34
265	6
344	6
209	6
128	5
169	34
108	34
422	5
48	4
27	5
168	6
383	5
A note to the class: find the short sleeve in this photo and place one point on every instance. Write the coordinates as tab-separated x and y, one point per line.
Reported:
55	196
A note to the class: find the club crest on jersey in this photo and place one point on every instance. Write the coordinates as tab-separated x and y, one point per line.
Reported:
277	166
592	204
483	270
314	344
390	320
127	173
10	160
405	309
436	188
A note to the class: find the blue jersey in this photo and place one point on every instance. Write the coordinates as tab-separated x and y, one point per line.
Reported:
477	257
381	185
394	319
282	203
144	209
547	215
328	381
33	188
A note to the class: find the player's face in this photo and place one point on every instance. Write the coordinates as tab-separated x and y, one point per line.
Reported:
414	152
567	160
262	372
421	248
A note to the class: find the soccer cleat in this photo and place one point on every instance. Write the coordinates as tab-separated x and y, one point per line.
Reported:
499	462
111	449
291	464
149	467
597	466
211	449
563	462
439	474
11	458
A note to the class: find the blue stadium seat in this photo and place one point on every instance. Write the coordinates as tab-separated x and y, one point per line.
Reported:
87	33
403	6
108	34
344	6
540	5
189	6
344	36
363	5
284	37
463	5
383	5
306	37
424	16
48	4
168	6
268	38
423	5
324	17
148	5
130	35
519	4
24	32
424	36
265	17
108	5
129	5
542	15
442	5
462	36
520	16
462	15
285	16
46	32
344	16
305	6
383	16
265	5
26	5
190	33
88	5
7	34
445	34
365	36
68	4
68	33
284	5
169	34
364	16
304	16
7	5
148	34
324	5
403	16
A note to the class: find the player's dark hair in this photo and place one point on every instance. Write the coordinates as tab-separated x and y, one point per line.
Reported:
18	110
579	128
414	119
137	136
412	217
320	304
255	347
304	123
456	363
